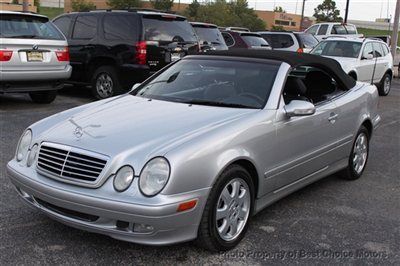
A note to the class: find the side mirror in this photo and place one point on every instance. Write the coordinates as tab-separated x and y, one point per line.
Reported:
299	108
136	85
367	57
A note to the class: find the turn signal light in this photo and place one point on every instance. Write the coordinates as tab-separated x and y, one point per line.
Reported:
5	55
187	205
300	50
63	55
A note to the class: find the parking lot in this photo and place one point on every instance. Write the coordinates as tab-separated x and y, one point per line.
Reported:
330	221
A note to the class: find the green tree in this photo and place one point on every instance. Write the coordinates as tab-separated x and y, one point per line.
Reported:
162	4
279	9
327	12
82	5
124	4
192	9
235	13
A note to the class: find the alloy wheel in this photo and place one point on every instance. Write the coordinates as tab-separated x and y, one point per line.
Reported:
386	85
360	153
104	85
233	209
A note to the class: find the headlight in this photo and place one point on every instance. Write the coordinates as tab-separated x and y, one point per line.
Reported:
123	178
23	145
154	176
32	155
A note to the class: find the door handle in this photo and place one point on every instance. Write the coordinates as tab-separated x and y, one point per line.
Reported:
332	118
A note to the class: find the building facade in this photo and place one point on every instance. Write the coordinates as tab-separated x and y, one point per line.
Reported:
10	5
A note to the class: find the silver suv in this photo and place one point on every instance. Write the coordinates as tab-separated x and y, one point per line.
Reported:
34	56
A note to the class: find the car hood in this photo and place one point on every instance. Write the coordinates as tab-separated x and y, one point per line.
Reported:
134	125
347	63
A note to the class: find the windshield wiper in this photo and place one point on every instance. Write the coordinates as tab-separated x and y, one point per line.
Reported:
216	103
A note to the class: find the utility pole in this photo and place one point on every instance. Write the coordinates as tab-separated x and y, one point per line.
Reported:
25	5
347	11
302	15
395	33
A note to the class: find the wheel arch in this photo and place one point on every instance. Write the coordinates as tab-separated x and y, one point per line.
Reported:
367	123
97	62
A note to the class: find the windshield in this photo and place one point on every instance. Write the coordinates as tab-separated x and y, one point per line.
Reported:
309	41
28	27
159	28
213	82
210	35
338	48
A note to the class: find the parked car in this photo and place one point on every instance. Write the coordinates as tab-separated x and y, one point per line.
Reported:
209	35
326	29
198	148
114	49
367	60
248	40
290	41
34	56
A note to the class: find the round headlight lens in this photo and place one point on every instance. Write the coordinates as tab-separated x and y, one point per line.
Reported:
23	145
154	176
123	178
32	155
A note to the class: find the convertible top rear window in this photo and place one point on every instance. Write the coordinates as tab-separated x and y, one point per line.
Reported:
214	82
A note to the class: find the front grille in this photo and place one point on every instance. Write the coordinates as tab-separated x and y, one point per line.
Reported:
69	163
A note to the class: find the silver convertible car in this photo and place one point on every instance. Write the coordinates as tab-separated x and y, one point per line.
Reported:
198	148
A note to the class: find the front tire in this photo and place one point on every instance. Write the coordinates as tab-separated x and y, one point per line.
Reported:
385	84
228	210
43	97
358	157
105	82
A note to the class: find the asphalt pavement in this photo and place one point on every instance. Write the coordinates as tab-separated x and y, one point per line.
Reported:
330	221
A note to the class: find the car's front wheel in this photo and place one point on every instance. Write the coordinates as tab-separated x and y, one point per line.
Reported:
228	209
358	156
385	84
43	97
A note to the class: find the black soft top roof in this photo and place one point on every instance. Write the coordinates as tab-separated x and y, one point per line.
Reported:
294	59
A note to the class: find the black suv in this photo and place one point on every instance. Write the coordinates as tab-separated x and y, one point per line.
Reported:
113	49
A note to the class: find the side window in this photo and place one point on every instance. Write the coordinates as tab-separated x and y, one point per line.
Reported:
323	29
385	49
228	39
368	49
120	27
313	30
63	24
378	49
351	29
85	27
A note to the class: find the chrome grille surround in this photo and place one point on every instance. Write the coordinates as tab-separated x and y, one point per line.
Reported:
70	164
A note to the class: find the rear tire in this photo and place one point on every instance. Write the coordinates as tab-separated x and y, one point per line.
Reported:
105	82
226	216
358	157
385	84
43	97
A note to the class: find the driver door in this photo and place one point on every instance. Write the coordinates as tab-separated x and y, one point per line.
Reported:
366	66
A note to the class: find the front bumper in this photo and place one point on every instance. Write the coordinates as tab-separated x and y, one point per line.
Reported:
103	213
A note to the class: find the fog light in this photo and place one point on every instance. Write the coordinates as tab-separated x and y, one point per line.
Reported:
143	228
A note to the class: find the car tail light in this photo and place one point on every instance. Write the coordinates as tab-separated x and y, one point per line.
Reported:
300	50
63	55
5	55
141	53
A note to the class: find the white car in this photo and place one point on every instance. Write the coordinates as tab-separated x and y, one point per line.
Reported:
364	59
323	30
300	42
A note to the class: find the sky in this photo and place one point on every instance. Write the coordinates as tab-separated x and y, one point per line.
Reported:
359	9
367	10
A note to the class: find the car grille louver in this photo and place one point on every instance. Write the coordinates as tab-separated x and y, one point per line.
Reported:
66	163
